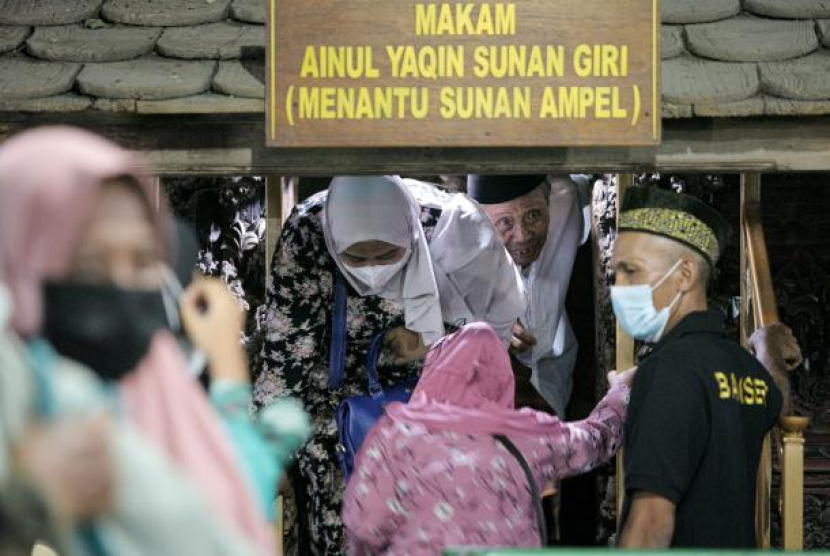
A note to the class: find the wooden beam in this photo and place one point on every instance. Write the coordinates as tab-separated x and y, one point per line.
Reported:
624	354
233	144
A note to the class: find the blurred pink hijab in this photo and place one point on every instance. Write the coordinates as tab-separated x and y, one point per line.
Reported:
49	180
467	386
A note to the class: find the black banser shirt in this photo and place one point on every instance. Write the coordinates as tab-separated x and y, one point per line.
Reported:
700	408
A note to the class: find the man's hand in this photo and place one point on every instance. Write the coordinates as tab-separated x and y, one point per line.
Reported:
70	462
776	348
650	522
407	346
522	339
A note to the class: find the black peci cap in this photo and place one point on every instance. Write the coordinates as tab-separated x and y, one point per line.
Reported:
492	189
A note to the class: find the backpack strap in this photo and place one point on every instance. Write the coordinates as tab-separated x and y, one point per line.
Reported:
534	488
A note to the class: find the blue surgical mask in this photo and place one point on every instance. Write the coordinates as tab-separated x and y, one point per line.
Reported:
635	311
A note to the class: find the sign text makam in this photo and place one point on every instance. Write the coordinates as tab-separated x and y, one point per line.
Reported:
375	73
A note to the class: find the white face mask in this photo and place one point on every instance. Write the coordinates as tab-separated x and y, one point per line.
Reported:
635	311
375	277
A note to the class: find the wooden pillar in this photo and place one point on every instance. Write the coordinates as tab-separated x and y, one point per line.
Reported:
792	482
624	355
157	192
751	193
290	195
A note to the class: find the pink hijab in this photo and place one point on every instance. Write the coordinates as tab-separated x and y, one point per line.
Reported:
49	179
467	386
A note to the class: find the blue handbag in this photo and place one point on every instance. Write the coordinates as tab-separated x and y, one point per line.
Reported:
357	415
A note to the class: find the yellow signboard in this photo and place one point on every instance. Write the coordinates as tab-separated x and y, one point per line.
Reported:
476	73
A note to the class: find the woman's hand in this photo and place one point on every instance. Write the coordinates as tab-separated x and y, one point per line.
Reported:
213	322
70	462
615	378
407	346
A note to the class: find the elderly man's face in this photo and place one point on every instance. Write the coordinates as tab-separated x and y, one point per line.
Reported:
523	225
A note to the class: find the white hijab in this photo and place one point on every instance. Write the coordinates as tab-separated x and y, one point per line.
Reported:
366	208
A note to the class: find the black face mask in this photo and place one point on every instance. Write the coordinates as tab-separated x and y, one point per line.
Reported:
106	328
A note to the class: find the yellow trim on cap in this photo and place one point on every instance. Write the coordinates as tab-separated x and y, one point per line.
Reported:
675	224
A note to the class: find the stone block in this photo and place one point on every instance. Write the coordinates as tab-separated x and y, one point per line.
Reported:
22	77
47	12
165	13
223	40
252	11
233	79
151	77
806	78
74	43
691	81
12	36
752	39
697	11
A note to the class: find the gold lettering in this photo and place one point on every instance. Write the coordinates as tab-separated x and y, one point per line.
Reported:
353	62
582	60
461	19
749	391
309	103
484	102
505	19
424	19
723	385
349	103
519	61
744	390
309	67
761	390
600	60
431	62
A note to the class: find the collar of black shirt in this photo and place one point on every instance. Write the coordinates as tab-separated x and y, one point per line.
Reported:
698	322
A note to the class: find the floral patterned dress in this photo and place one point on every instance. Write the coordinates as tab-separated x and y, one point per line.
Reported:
297	323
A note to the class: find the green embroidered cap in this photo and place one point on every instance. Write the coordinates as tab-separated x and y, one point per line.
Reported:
676	216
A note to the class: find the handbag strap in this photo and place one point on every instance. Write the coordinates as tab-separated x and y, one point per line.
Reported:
339	331
339	339
534	488
372	358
